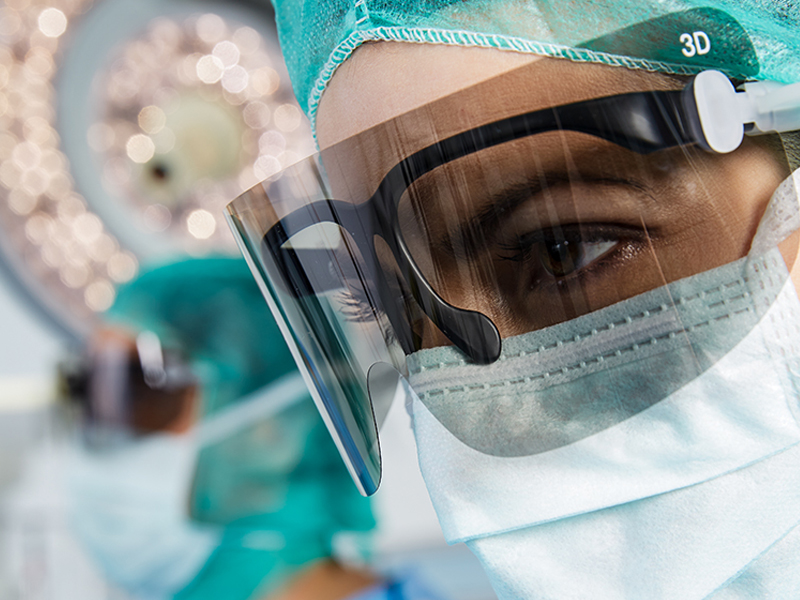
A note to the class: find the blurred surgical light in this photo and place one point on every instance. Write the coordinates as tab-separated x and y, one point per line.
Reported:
152	119
140	148
288	117
210	69
52	22
188	111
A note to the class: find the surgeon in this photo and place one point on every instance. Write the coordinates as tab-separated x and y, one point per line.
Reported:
206	472
566	233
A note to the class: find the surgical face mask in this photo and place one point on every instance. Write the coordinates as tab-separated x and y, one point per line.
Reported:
131	503
644	450
129	510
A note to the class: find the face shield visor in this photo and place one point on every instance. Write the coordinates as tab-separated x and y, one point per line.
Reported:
520	205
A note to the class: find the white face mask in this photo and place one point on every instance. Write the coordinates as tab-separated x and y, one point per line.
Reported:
130	511
646	450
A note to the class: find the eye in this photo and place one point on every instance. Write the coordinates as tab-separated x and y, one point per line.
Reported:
563	251
564	256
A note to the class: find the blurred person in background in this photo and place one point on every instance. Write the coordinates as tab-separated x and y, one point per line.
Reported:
205	471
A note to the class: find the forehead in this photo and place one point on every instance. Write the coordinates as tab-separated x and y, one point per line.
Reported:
386	79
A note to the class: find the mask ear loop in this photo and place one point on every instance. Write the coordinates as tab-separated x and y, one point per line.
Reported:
781	217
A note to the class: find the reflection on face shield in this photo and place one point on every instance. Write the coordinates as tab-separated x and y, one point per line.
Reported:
507	228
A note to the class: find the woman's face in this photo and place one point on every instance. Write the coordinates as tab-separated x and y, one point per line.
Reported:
551	226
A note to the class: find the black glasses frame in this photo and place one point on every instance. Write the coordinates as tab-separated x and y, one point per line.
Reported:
643	122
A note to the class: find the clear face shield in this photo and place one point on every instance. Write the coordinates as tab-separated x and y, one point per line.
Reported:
490	222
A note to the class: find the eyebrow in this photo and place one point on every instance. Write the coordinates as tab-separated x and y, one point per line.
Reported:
497	209
501	206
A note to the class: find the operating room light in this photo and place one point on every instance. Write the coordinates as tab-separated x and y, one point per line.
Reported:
149	154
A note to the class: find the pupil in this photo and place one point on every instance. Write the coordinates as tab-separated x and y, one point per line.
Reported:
561	257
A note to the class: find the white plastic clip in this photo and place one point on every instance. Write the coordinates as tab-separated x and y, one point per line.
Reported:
766	105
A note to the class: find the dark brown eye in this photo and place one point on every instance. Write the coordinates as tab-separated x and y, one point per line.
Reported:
561	257
561	252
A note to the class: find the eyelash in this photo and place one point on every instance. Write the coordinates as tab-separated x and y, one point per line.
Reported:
355	305
357	308
603	239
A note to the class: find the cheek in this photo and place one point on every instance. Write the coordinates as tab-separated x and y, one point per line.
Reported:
748	183
730	194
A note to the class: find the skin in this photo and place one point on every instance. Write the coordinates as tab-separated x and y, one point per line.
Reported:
325	580
360	94
664	216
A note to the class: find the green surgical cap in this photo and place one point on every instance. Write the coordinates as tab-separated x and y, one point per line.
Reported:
747	39
213	311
